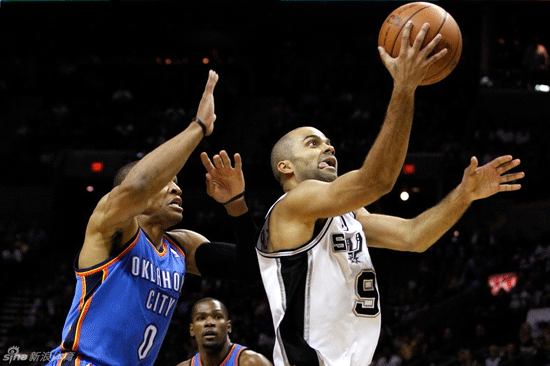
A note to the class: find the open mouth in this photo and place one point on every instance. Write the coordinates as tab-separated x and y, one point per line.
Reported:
176	203
329	162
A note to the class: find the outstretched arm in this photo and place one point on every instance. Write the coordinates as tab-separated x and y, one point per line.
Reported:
115	214
225	184
382	165
418	234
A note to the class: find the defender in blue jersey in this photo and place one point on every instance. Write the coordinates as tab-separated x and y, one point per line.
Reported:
130	270
210	326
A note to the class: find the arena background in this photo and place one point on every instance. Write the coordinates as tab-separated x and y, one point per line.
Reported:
103	82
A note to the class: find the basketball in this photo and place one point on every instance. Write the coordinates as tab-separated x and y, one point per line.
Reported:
440	22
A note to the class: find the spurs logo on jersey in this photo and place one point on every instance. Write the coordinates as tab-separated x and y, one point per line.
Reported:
323	296
353	245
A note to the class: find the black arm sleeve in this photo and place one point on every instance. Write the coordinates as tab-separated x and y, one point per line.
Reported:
229	261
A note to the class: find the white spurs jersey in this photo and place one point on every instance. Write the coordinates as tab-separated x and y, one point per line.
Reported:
323	296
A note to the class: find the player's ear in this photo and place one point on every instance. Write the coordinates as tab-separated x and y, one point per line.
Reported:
285	166
191	331
229	326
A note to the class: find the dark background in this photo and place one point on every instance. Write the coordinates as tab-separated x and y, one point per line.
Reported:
85	82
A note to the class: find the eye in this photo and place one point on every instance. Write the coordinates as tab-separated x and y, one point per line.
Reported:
312	143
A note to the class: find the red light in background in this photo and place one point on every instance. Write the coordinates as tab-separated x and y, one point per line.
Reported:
97	167
505	281
90	189
409	169
205	60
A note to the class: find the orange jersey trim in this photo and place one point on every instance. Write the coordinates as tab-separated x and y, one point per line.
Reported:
229	355
79	323
176	246
100	268
239	355
164	248
61	359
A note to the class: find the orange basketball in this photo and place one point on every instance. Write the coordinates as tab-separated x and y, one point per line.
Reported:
440	22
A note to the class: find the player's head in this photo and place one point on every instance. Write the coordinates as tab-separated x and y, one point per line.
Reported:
164	207
210	324
304	153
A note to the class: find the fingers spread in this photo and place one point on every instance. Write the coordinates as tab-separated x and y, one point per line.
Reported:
218	161
503	168
512	177
500	160
509	187
225	159
420	36
206	162
405	38
238	162
473	165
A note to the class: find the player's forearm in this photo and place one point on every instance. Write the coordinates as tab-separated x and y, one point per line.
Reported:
429	226
161	165
387	155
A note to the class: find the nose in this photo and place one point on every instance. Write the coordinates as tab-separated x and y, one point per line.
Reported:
176	189
329	149
209	321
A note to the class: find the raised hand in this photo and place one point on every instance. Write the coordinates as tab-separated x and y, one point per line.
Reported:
410	66
489	179
206	106
223	182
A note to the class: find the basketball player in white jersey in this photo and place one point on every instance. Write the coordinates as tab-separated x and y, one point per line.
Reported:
312	248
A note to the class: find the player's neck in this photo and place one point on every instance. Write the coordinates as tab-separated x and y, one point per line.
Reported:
215	357
155	234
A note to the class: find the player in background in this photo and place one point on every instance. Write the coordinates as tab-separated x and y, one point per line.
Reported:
210	326
312	249
130	269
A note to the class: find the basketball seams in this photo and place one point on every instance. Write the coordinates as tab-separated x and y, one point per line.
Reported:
393	29
458	47
402	26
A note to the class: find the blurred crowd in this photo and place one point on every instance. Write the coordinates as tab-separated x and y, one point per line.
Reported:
108	84
437	307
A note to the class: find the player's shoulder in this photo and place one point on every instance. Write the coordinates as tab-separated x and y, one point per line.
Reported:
186	238
361	212
251	358
185	363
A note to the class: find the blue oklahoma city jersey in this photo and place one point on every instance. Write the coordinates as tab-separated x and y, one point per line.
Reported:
232	358
122	307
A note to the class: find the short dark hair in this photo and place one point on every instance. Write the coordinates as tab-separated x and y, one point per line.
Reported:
282	150
123	172
194	308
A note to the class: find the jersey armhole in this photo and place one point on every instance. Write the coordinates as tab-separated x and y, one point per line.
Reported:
110	258
176	243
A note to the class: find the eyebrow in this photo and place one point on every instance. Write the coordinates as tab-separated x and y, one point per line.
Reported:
327	141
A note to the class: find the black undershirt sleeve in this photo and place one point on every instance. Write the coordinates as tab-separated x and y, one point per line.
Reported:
230	261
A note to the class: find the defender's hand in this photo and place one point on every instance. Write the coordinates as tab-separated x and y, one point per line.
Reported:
223	182
206	106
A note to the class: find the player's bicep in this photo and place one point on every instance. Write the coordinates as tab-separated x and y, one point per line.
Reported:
317	199
120	206
189	242
388	232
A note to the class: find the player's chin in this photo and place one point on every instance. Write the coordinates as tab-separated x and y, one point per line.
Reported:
327	176
174	218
